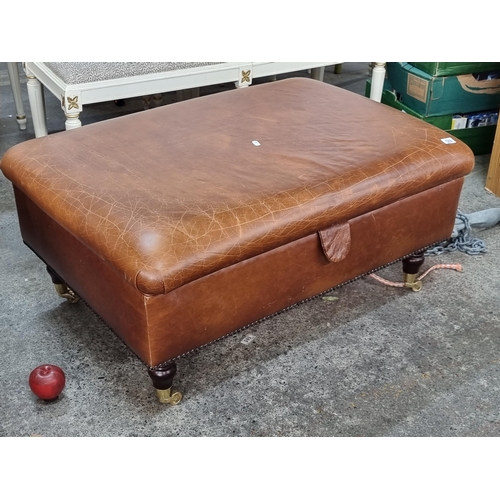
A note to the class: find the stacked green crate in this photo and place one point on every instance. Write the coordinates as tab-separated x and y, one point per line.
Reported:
449	95
479	139
455	68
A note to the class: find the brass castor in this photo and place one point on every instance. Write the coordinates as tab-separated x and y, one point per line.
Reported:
411	282
62	289
162	378
411	266
166	396
66	293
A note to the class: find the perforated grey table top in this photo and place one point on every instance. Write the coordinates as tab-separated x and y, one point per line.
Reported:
84	72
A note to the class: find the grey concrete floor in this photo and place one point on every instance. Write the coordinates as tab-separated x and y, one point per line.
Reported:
374	361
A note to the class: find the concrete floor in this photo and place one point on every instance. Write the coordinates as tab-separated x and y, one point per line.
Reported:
374	361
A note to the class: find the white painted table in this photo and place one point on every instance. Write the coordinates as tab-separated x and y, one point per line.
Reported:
100	82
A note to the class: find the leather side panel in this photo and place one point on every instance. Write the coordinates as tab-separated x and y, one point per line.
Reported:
211	307
161	327
117	302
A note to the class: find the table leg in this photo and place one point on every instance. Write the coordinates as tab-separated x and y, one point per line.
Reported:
71	104
158	100
37	105
15	83
72	121
378	77
318	73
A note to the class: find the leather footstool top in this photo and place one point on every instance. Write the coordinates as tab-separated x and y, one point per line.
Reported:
169	195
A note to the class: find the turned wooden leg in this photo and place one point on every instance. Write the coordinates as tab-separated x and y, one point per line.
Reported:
318	73
37	105
72	121
15	83
146	102
62	288
411	266
378	77
154	101
162	378
157	100
71	104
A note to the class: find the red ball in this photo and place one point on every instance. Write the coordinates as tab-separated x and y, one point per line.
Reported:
47	382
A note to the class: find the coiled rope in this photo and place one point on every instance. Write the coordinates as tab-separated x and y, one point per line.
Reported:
461	240
400	284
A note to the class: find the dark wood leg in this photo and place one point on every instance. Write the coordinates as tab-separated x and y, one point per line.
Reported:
411	266
162	378
62	288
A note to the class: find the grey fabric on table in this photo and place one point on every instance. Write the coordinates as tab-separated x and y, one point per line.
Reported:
84	72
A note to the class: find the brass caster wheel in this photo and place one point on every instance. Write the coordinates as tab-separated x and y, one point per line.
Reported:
417	286
412	283
411	266
62	289
166	396
162	378
66	293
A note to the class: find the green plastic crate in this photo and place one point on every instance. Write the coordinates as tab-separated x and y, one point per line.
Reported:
479	139
455	68
436	96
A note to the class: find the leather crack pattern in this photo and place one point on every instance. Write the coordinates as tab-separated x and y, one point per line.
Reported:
169	195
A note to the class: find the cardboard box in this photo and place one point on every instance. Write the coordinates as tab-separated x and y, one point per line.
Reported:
481	119
455	68
473	120
436	96
479	139
458	122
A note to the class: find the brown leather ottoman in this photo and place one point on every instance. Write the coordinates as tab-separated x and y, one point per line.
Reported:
248	201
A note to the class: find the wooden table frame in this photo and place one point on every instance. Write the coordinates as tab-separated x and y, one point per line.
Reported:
39	76
74	96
